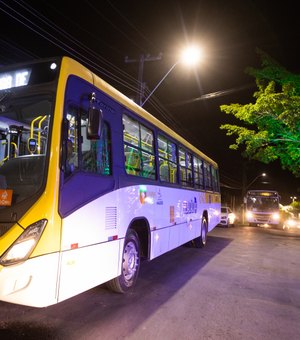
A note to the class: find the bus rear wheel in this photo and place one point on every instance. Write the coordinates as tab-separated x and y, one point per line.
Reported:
130	265
200	242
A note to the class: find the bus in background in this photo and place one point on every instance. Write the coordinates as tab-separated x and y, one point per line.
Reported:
90	184
262	207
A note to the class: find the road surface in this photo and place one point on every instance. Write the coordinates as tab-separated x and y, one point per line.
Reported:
244	285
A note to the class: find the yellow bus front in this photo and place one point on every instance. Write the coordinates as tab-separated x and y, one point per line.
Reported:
30	226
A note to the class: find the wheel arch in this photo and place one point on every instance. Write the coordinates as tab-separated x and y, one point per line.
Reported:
141	226
205	215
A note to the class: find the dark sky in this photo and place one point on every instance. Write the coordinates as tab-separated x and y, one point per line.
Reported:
101	33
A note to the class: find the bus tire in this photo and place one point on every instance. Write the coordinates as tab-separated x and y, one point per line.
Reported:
130	265
200	242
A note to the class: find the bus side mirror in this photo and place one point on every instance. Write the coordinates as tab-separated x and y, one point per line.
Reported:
94	123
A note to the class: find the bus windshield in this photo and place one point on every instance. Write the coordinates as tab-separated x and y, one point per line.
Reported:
24	126
260	203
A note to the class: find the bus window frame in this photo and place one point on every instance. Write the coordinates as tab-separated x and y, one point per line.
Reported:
138	172
169	140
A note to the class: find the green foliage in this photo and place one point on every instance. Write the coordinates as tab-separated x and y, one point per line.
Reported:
274	118
295	205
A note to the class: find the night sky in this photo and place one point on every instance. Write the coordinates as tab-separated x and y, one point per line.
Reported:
102	33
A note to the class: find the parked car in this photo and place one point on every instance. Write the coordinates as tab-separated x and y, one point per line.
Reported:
228	217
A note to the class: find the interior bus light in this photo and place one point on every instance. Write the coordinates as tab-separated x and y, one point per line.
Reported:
22	248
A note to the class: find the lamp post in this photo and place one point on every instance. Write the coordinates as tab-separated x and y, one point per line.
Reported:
244	189
189	56
261	175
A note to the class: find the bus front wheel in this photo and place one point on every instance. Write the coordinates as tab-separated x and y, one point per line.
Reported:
130	264
200	242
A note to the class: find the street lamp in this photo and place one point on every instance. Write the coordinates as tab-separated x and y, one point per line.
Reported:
261	175
190	56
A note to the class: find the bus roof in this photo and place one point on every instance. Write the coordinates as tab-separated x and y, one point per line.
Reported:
128	103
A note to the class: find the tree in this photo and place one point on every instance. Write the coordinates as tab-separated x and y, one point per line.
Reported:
295	205
274	117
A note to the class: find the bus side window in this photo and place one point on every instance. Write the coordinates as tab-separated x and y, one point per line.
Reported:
198	172
173	173
104	151
83	154
189	170
182	163
167	152
71	141
215	182
207	176
132	161
96	154
148	165
138	148
70	158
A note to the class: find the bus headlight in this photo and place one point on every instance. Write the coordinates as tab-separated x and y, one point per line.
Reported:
231	218
249	214
24	245
275	216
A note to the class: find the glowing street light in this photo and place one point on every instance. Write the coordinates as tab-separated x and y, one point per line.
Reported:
189	56
261	175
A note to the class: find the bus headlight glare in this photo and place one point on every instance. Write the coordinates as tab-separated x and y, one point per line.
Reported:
275	216
291	223
22	248
249	214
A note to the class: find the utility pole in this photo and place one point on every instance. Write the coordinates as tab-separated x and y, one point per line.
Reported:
141	84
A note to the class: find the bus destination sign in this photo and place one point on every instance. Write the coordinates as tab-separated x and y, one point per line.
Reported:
16	78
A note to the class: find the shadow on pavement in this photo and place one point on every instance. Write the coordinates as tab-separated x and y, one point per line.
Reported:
158	281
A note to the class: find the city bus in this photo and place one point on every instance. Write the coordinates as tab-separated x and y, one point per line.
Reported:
262	207
91	184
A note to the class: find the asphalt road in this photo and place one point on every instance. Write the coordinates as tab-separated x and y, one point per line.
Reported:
244	285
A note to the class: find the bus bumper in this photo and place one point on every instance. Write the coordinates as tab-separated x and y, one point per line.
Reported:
31	283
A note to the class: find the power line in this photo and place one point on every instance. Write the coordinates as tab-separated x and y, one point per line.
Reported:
130	23
15	14
35	26
141	84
